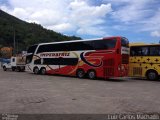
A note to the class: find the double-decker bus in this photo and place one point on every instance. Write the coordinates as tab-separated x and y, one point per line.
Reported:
102	58
145	61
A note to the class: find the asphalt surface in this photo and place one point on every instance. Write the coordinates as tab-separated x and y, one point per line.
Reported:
22	92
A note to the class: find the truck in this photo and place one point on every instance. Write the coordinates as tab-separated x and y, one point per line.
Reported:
15	64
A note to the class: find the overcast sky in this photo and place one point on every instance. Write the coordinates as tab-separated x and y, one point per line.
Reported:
138	20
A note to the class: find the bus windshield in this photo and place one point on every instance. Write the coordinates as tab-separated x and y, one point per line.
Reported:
32	49
30	53
124	42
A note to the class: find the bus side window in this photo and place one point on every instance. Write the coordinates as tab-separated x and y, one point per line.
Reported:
154	51
145	51
134	51
158	51
138	51
151	51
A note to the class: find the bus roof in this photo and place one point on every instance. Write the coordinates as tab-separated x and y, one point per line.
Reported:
79	40
136	44
142	44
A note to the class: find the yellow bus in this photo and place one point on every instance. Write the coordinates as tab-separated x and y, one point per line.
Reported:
144	61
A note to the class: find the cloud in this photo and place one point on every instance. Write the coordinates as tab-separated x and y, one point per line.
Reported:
129	10
137	15
89	18
155	33
62	27
62	15
92	31
152	23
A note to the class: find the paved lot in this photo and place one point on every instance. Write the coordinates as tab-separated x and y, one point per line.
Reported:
29	93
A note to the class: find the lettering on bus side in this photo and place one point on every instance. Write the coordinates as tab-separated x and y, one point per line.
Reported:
55	54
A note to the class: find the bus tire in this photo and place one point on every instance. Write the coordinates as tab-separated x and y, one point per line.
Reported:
43	71
91	74
4	68
36	70
152	75
80	73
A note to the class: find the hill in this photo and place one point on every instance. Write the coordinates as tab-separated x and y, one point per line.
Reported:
26	34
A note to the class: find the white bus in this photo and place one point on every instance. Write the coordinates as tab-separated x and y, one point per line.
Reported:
105	57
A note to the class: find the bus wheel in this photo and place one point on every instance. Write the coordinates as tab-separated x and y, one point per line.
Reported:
152	75
91	74
4	68
80	73
43	71
36	70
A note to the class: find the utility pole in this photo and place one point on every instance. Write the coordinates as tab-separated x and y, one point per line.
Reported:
17	47
14	42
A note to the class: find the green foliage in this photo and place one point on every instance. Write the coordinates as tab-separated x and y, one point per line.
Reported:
26	34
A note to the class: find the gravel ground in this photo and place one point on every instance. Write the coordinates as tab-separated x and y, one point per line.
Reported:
22	92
